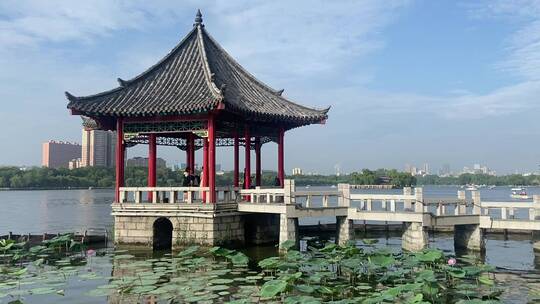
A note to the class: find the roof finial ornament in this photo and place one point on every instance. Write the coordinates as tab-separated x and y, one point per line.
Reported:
198	18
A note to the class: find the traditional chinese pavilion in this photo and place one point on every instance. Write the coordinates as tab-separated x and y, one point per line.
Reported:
197	96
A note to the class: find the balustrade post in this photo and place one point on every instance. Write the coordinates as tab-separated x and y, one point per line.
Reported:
419	199
268	198
477	203
258	195
368	204
325	201
407	203
461	206
227	195
511	212
190	197
289	189
536	207
392	206
138	196
122	196
172	197
308	201
439	209
344	195
383	205
503	213
154	196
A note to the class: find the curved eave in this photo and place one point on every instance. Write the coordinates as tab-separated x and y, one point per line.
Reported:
127	84
146	113
292	120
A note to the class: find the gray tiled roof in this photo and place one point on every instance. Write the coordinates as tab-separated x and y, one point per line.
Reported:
194	78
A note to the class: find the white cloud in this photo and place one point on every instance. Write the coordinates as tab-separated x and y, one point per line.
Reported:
303	37
523	46
31	22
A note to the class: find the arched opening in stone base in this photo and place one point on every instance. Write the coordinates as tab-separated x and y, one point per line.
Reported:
260	229
163	229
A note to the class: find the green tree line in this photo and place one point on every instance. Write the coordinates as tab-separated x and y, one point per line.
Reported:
480	179
13	177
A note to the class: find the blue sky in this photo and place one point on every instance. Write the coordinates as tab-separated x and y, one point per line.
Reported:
440	82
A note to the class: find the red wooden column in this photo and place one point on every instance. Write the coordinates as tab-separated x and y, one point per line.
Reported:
151	163
236	160
190	153
204	180
212	158
281	158
120	154
247	171
258	161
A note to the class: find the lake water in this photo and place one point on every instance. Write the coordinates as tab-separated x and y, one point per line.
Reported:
75	210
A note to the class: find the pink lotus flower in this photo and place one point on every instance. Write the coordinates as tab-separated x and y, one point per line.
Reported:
452	261
90	252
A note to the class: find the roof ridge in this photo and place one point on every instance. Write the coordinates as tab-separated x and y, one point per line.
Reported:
230	58
264	86
126	83
208	75
164	59
72	97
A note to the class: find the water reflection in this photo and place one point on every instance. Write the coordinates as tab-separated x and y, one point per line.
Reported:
55	210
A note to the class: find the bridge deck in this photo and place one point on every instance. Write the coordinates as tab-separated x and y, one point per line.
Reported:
406	207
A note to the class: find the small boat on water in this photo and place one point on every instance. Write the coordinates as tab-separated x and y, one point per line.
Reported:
471	188
333	186
519	193
492	187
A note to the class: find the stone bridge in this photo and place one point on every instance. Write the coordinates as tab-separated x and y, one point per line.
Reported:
263	215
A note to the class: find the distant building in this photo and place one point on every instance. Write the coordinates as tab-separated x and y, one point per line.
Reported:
58	154
74	164
98	148
479	169
426	168
414	171
143	162
445	170
297	171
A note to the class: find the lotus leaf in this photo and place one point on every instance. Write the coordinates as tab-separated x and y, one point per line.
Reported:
272	288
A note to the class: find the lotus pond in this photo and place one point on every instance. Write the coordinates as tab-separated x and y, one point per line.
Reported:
62	270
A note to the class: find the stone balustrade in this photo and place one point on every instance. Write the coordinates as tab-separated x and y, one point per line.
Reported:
173	195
